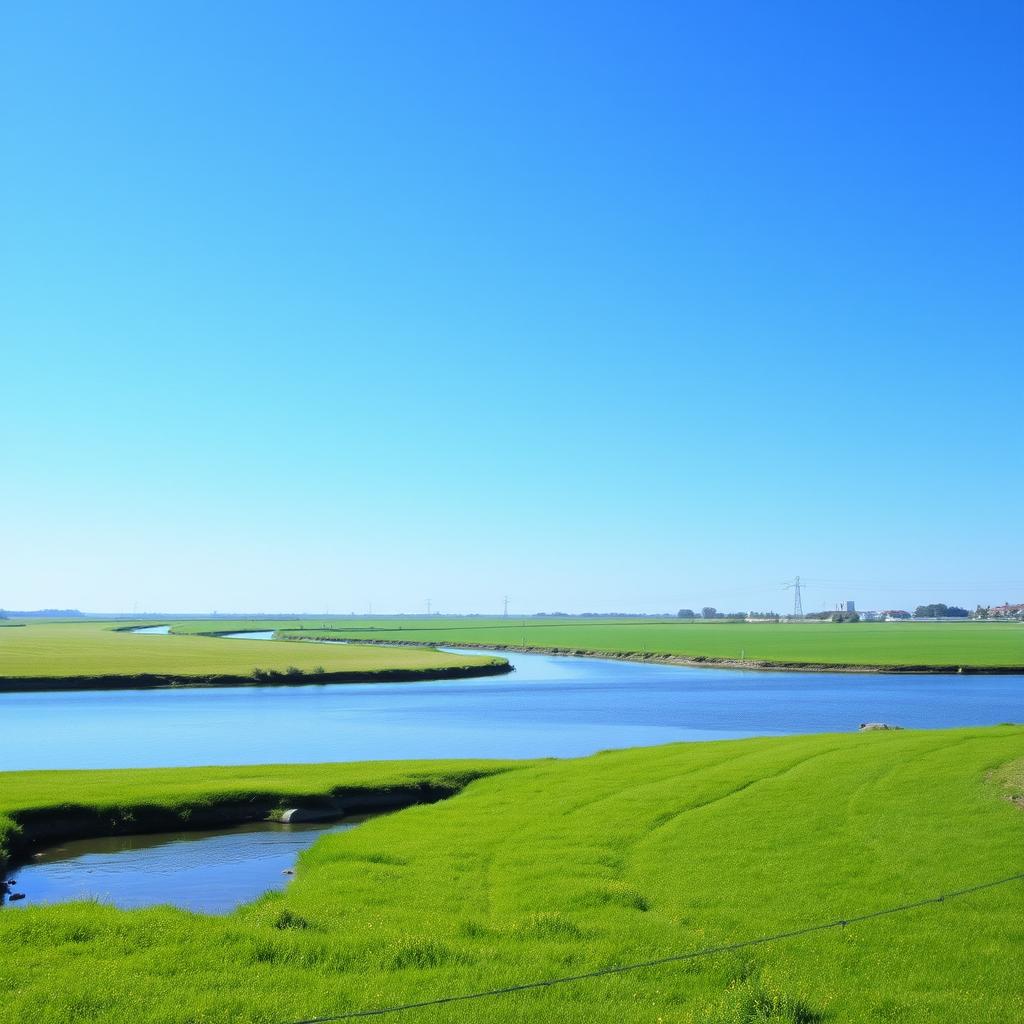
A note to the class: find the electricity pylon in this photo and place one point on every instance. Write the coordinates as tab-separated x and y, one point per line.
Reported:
798	605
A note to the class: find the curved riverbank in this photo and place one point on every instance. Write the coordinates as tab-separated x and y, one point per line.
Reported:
93	656
549	707
691	661
138	807
269	677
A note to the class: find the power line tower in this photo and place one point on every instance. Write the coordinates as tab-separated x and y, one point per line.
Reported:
506	606
798	605
428	606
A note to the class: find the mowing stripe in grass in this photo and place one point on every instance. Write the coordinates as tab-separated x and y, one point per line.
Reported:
660	961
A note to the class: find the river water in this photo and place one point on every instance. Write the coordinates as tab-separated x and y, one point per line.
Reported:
550	706
212	872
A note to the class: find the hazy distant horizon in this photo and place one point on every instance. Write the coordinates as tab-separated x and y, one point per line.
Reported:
783	606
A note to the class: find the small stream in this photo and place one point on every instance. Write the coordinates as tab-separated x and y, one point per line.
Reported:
211	872
259	634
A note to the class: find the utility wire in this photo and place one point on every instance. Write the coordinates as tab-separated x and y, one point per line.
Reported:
675	958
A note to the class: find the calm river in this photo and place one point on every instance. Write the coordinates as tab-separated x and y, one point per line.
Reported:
212	872
550	706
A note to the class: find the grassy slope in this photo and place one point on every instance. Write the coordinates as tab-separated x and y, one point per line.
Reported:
562	866
68	650
862	643
182	790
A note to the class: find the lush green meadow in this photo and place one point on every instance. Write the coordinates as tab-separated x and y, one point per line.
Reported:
94	652
559	867
121	798
878	644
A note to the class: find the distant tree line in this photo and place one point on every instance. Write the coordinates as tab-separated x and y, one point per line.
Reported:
710	613
940	611
583	615
41	613
923	611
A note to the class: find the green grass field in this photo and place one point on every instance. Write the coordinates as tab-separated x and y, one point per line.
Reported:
968	644
45	651
560	867
178	794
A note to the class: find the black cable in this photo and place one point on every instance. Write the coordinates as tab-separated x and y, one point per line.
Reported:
675	958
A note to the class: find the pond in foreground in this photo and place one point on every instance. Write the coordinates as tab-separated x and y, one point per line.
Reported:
550	706
211	872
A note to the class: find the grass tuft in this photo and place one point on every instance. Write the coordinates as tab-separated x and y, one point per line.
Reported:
289	919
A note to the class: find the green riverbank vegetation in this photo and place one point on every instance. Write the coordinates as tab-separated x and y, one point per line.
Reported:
548	868
928	646
99	655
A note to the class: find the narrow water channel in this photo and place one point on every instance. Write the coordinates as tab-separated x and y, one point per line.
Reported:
210	872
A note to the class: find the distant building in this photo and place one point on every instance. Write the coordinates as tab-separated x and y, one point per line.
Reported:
850	607
1006	611
895	615
871	616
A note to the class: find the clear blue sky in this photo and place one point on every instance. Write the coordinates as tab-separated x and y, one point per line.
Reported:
602	306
